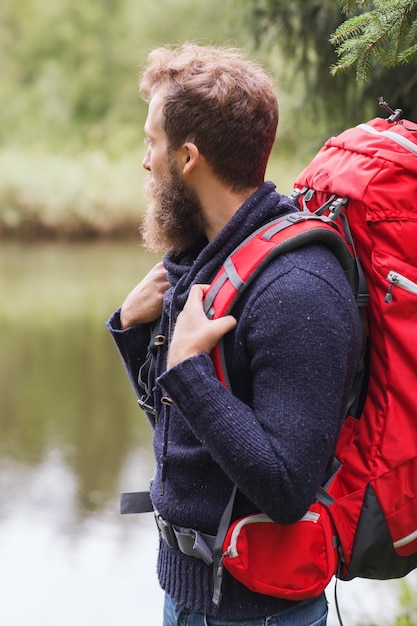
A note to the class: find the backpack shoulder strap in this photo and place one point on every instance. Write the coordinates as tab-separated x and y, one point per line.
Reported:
250	257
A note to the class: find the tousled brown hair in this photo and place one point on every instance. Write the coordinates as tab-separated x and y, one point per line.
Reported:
222	102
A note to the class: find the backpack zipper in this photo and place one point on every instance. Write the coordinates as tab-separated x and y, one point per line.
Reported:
232	551
394	278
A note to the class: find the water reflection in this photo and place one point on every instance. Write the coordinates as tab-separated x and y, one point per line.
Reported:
58	570
60	384
72	437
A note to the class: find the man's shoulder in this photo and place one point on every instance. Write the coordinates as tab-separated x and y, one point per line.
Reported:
312	268
313	258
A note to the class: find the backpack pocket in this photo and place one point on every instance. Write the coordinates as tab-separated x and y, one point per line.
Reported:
400	506
394	365
400	278
294	561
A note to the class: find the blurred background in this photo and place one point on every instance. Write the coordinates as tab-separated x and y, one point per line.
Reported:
71	147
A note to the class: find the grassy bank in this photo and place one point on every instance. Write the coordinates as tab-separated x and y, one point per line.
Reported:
50	195
89	195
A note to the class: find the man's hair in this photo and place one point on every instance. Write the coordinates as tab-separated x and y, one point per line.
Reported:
222	102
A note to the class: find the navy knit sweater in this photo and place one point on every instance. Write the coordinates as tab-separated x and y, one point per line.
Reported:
291	362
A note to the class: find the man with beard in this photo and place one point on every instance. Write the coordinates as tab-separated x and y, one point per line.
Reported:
210	128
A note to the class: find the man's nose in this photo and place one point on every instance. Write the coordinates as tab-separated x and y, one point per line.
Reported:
146	163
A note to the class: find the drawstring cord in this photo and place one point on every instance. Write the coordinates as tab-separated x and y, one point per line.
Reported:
161	340
168	403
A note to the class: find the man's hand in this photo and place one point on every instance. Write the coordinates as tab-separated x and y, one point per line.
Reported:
144	303
194	333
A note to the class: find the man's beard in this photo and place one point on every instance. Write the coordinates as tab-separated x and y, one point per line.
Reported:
174	220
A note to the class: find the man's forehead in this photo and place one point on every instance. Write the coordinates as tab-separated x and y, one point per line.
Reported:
155	109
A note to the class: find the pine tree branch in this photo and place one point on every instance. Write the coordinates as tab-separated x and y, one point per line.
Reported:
384	36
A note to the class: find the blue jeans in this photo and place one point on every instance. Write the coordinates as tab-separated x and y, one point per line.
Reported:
313	613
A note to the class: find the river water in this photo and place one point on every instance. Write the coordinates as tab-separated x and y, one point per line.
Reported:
72	438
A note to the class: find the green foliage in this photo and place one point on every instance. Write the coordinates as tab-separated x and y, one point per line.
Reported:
384	35
69	68
302	29
65	71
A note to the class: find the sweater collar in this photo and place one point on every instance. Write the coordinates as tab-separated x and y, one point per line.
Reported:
199	265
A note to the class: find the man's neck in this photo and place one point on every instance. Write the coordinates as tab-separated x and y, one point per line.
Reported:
220	204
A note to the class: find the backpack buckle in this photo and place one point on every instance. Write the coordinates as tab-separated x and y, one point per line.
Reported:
166	531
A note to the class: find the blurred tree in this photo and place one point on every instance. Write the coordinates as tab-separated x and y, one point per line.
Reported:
64	67
69	68
301	29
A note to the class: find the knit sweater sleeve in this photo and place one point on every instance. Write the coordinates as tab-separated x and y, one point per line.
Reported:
132	344
295	346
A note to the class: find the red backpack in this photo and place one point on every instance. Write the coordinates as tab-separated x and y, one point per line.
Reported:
364	522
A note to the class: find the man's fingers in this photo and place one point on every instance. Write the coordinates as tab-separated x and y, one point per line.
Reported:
223	325
194	333
197	294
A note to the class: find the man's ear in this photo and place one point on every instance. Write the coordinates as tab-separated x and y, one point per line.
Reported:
190	158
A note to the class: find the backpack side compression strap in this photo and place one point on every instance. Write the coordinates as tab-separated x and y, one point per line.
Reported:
246	262
135	502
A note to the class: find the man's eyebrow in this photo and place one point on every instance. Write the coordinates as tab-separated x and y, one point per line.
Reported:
147	132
